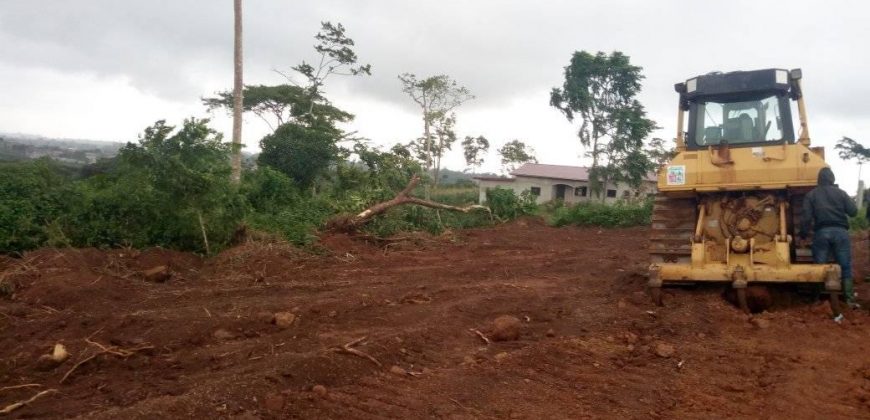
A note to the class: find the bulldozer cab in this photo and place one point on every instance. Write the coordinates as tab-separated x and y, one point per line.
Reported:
745	122
750	108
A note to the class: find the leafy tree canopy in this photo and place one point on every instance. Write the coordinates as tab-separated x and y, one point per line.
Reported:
280	104
600	90
474	149
300	152
514	153
849	149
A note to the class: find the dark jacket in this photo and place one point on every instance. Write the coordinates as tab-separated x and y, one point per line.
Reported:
826	205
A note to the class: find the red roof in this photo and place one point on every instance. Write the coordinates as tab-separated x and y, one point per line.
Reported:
540	170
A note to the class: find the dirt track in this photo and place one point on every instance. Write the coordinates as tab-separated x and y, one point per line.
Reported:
587	347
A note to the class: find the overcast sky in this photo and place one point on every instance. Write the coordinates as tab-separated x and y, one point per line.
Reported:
106	69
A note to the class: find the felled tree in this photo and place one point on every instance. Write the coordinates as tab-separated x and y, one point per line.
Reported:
600	89
351	223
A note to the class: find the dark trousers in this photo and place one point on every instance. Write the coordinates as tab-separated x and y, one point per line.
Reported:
834	241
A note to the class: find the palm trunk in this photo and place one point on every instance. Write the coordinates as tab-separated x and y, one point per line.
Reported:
236	160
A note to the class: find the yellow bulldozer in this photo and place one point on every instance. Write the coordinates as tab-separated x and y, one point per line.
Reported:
729	203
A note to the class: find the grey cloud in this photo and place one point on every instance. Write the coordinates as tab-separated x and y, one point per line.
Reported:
498	49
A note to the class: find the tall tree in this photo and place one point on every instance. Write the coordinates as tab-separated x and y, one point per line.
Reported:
302	103
336	58
238	85
445	136
515	153
601	90
658	153
474	149
437	97
849	149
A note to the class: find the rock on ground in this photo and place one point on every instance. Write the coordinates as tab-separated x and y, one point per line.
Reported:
284	319
506	328
665	350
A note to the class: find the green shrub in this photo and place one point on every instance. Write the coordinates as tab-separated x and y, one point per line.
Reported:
859	222
598	214
33	194
456	196
506	204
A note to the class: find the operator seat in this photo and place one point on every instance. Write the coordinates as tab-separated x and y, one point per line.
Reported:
746	128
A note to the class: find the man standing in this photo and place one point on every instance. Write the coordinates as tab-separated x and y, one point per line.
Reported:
826	211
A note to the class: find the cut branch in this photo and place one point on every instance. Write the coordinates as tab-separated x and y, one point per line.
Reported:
482	337
117	351
12	407
7	388
353	223
348	349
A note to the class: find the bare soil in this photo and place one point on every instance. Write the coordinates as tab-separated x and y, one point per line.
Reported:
591	344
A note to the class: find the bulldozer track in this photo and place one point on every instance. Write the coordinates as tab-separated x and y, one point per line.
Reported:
673	223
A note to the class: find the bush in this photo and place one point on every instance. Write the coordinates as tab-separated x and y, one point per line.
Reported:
277	206
598	214
456	196
859	222
33	195
506	204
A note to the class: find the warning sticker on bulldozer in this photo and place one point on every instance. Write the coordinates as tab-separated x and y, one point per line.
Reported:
677	175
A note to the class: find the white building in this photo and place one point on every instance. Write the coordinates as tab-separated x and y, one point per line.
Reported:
559	182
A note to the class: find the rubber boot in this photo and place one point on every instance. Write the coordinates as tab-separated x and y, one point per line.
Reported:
849	293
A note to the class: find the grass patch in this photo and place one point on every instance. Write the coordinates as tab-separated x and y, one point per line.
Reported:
621	214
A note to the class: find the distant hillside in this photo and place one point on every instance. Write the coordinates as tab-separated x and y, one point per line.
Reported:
450	177
76	152
70	151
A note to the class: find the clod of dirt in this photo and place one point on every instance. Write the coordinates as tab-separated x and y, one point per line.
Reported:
398	371
50	361
551	333
630	337
319	390
506	328
759	323
284	319
222	334
665	350
274	402
501	356
266	317
157	274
